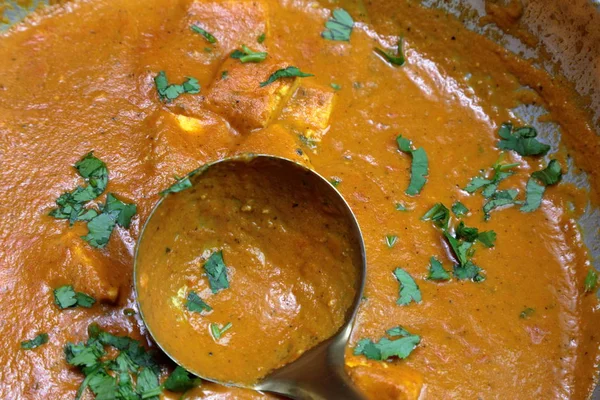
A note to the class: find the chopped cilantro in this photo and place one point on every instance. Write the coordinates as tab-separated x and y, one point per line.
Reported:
216	271
522	140
335	86
437	271
209	38
591	281
261	38
70	204
487	238
489	186
246	55
534	191
180	380
168	92
181	184
37	341
391	240
500	198
126	210
66	297
401	207
339	26
100	229
467	233
438	214
469	271
224	75
195	303
526	313
335	182
218	332
419	165
409	290
288	72
386	348
397	59
459	209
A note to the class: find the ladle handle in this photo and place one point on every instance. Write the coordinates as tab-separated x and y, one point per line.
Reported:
319	374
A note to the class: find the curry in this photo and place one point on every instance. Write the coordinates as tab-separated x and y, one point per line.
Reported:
476	264
280	262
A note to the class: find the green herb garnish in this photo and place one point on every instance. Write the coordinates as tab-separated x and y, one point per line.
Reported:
209	38
437	271
100	229
335	181
391	240
409	290
591	281
218	332
487	238
500	198
335	86
522	140
195	303
246	55
181	381
216	271
526	313
288	72
168	92
37	341
181	184
419	165
386	348
459	209
469	271
66	297
536	185
339	26
125	210
438	214
397	59
260	39
401	207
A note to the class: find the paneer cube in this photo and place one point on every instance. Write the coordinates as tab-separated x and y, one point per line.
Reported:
238	97
231	22
309	110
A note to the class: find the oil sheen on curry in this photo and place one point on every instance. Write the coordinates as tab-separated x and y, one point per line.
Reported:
244	271
479	284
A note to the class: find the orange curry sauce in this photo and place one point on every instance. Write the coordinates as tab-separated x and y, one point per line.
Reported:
80	77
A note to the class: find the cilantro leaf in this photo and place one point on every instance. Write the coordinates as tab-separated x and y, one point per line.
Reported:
467	233
335	86
246	55
83	355
288	72
397	331
487	238
218	332
477	183
526	313
64	297
126	211
209	38
397	59
181	184
533	195
591	281
499	199
335	182
168	92
522	140
550	175
469	271
195	303
216	271
180	380
437	271
439	214
147	384
260	39
391	240
386	348
409	290
339	26
459	209
37	341
83	300
100	229
419	165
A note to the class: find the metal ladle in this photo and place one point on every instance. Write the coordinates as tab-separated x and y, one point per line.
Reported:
319	372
